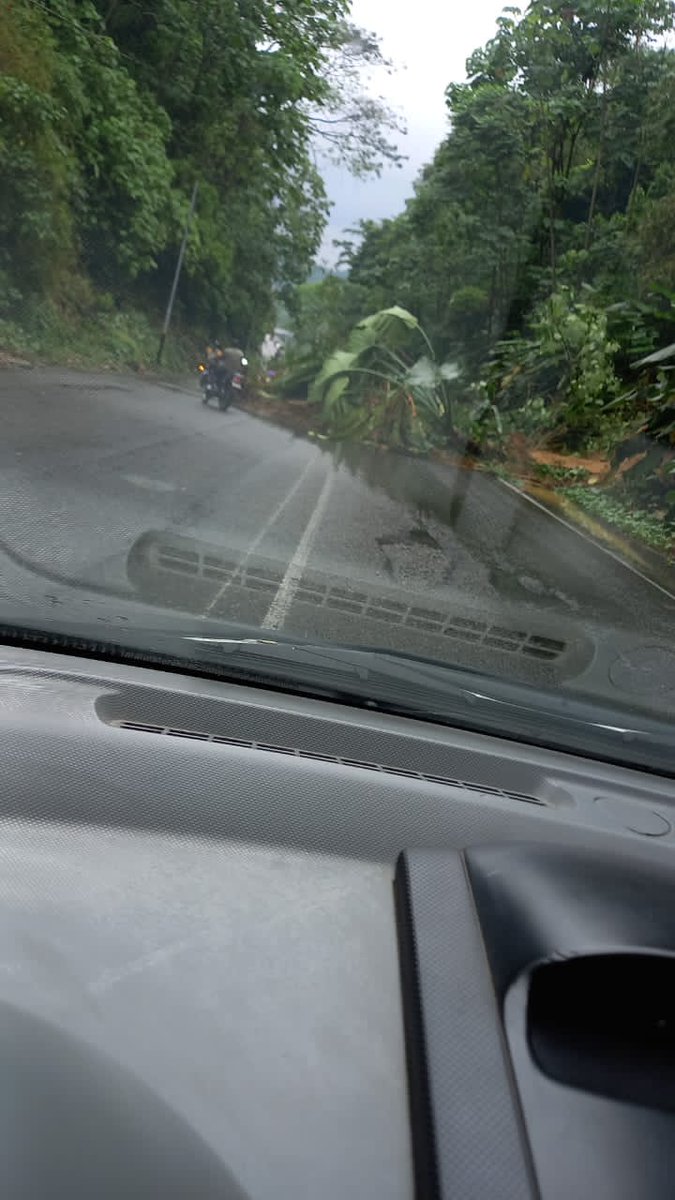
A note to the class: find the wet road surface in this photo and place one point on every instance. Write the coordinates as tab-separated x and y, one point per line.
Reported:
136	488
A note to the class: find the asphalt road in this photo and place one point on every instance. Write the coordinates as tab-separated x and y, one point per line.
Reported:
134	487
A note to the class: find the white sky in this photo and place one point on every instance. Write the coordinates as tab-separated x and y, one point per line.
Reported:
429	42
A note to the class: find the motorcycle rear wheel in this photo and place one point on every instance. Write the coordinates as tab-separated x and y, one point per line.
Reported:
225	397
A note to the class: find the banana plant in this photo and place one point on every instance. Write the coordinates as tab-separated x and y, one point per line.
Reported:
375	388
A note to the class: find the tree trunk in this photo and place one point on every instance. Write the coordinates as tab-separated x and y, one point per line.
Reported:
598	165
552	252
110	13
636	180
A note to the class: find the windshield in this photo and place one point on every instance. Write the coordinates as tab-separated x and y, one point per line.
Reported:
330	327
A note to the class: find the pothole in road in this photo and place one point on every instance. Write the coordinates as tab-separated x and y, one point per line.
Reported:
419	536
413	556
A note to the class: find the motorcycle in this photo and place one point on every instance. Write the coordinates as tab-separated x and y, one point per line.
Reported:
220	384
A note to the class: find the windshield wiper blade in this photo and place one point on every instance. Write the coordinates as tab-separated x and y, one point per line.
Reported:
417	687
373	678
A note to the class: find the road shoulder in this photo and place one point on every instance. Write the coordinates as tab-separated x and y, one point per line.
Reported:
634	555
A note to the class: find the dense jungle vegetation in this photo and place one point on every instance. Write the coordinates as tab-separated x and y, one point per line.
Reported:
527	290
111	111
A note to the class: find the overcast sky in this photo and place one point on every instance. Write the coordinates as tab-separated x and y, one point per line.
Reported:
429	42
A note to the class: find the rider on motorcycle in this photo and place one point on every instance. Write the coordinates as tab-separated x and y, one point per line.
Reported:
222	368
224	363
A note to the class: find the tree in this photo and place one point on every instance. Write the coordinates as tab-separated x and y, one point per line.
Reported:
37	167
537	248
113	108
380	386
351	126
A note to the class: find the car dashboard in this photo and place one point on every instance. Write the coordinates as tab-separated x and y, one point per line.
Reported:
256	945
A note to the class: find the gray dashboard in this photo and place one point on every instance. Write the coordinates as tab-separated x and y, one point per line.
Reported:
197	886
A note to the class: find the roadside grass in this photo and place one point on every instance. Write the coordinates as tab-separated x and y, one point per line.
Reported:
641	524
587	483
107	340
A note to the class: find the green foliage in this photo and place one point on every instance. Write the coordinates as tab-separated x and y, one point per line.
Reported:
537	250
378	388
109	112
558	474
645	457
123	340
561	373
655	239
641	524
37	168
322	314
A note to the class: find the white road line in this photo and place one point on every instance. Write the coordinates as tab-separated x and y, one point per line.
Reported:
278	609
261	536
580	533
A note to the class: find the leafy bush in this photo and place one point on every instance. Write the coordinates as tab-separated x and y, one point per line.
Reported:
377	388
647	526
561	376
645	458
322	314
123	339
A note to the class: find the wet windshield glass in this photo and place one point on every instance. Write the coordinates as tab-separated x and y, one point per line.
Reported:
347	325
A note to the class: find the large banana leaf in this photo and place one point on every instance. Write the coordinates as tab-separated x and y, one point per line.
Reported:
657	357
335	371
370	389
389	327
423	375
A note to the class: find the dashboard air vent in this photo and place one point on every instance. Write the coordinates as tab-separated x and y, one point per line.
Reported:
197	736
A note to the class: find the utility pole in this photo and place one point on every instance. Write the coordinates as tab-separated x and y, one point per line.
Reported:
179	267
